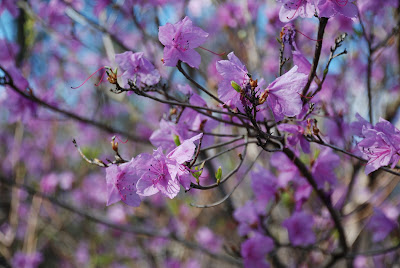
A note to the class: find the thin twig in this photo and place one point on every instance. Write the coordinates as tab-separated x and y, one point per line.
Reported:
234	188
76	117
243	155
318	47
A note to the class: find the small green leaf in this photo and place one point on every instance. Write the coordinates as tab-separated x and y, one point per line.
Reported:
236	86
198	173
218	175
176	140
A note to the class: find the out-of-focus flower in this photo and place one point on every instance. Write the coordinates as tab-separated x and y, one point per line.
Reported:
180	40
299	226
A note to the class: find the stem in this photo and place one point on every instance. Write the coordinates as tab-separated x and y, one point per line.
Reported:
323	197
76	117
318	47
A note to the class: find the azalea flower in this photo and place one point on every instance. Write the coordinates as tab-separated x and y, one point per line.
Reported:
381	143
282	94
329	8
254	251
231	70
121	184
137	68
291	9
164	173
299	227
180	40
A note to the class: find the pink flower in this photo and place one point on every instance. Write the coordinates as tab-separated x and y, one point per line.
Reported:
163	173
291	9
231	70
330	8
137	68
299	226
381	144
180	40
380	225
255	249
282	94
121	184
323	169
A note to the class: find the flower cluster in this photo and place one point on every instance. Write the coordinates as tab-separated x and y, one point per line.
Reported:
149	174
380	143
291	9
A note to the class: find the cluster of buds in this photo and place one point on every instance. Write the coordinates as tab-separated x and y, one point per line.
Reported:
112	77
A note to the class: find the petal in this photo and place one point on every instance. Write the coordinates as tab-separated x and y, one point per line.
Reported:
145	186
191	57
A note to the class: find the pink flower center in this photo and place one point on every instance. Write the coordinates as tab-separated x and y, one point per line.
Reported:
158	171
179	43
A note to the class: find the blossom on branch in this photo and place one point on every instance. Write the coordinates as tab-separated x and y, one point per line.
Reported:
137	68
381	143
291	9
330	8
231	70
282	95
180	40
299	227
163	173
121	184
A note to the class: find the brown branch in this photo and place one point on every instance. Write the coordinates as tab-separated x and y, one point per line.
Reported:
102	126
325	200
318	47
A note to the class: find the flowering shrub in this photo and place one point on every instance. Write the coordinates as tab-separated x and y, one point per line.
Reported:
246	133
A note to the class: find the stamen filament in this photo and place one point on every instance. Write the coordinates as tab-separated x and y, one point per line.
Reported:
220	54
90	77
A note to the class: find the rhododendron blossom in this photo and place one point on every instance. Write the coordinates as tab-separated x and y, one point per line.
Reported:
164	173
231	70
283	94
180	40
291	9
137	68
122	183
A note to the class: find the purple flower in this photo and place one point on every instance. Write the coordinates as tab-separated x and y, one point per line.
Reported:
247	216
208	239
288	170
231	70
255	249
163	173
291	9
381	145
358	126
121	184
380	225
282	94
137	68
180	40
299	226
11	6
330	8
230	14
264	185
296	137
24	260
323	169
189	121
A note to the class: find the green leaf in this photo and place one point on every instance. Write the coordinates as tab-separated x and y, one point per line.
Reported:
176	140
200	171
218	174
236	86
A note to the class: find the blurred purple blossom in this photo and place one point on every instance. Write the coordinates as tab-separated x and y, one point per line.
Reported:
180	40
